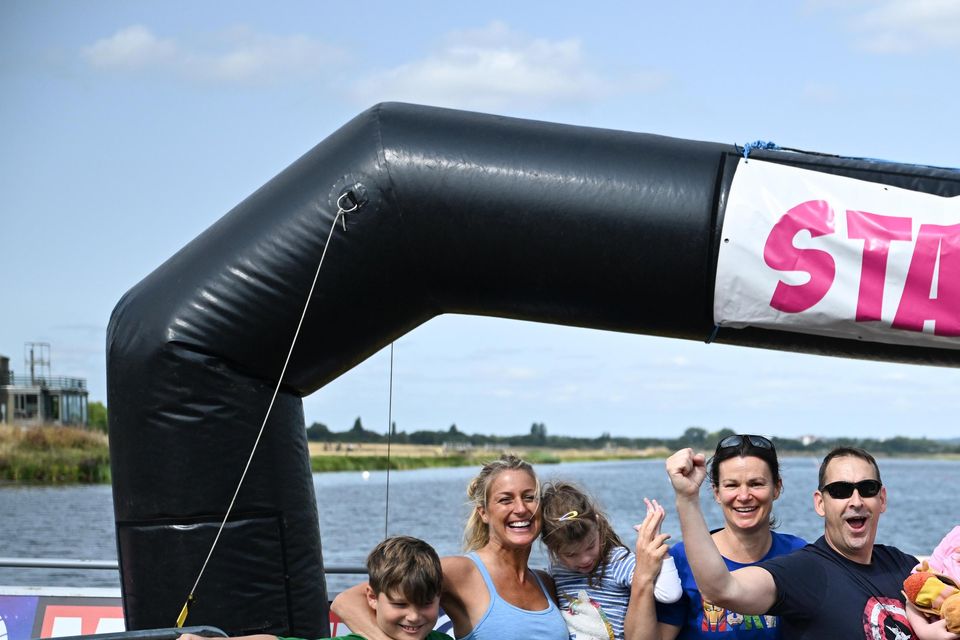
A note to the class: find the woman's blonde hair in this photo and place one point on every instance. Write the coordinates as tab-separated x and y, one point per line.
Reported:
476	535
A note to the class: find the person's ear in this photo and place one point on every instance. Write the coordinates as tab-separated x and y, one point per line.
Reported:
818	504
778	489
483	514
371	597
883	499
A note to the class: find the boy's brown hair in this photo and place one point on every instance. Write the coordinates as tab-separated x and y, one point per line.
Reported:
405	566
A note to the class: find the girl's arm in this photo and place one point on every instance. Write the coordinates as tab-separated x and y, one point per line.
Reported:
667	588
640	622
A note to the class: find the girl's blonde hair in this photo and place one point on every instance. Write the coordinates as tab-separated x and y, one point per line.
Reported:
476	535
569	516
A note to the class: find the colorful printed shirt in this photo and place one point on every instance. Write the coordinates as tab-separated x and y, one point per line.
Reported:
705	620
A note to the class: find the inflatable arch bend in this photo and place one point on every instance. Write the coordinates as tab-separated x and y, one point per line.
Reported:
455	212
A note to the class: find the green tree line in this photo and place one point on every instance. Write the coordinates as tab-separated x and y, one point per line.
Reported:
695	437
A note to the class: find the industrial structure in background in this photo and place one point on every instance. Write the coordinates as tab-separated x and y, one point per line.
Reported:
36	396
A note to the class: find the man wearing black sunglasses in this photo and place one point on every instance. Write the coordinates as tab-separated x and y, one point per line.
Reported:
842	586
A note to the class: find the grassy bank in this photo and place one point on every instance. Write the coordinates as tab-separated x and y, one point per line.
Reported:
374	457
57	455
53	455
60	455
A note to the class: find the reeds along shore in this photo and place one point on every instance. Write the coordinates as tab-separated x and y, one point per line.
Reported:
378	457
48	454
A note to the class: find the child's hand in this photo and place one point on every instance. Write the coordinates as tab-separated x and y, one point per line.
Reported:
651	546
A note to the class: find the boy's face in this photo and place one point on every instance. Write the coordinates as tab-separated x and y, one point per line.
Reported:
400	618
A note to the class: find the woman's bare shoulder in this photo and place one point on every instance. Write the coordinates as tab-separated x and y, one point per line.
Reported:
545	577
464	597
458	567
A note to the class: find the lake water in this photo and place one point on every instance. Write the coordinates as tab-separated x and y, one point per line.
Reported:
77	522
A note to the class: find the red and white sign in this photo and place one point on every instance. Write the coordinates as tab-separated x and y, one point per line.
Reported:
817	253
61	620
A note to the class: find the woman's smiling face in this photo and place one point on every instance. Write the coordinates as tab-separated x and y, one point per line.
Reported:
512	511
746	492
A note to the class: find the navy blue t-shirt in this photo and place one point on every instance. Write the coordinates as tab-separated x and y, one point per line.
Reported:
822	595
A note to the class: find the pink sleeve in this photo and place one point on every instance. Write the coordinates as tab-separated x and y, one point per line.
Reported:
946	557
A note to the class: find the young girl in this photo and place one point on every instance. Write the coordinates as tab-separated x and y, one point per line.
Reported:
590	565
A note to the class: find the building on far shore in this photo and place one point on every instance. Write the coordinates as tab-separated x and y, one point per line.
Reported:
36	397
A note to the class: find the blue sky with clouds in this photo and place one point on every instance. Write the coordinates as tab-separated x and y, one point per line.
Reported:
130	127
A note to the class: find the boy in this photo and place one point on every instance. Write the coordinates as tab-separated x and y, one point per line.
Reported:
403	590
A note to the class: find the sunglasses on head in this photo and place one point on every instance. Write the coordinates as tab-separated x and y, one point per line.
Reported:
842	489
735	441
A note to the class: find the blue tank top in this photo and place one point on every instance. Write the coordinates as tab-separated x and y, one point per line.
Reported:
503	620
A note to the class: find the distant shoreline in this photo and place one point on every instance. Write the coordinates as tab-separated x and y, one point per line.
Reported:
373	457
64	455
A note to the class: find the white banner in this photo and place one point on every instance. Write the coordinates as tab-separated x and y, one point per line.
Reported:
817	253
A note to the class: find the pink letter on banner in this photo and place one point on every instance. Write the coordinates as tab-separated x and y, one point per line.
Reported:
916	304
814	216
877	231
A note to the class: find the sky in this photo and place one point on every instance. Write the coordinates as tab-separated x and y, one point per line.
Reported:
128	128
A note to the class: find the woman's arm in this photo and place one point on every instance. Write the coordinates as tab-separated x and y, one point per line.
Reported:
352	607
548	582
640	622
667	631
462	593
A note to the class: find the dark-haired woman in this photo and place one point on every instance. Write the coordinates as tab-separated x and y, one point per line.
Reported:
745	476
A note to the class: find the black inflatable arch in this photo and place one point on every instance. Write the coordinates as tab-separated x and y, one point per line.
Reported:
456	213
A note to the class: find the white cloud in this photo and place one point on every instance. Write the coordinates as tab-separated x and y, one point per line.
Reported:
495	66
907	26
239	55
133	47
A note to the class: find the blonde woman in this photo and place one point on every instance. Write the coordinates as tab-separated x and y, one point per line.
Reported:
491	593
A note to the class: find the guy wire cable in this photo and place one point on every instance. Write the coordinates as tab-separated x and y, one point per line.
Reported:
386	508
341	212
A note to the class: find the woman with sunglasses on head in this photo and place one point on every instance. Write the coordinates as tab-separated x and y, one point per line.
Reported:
745	476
